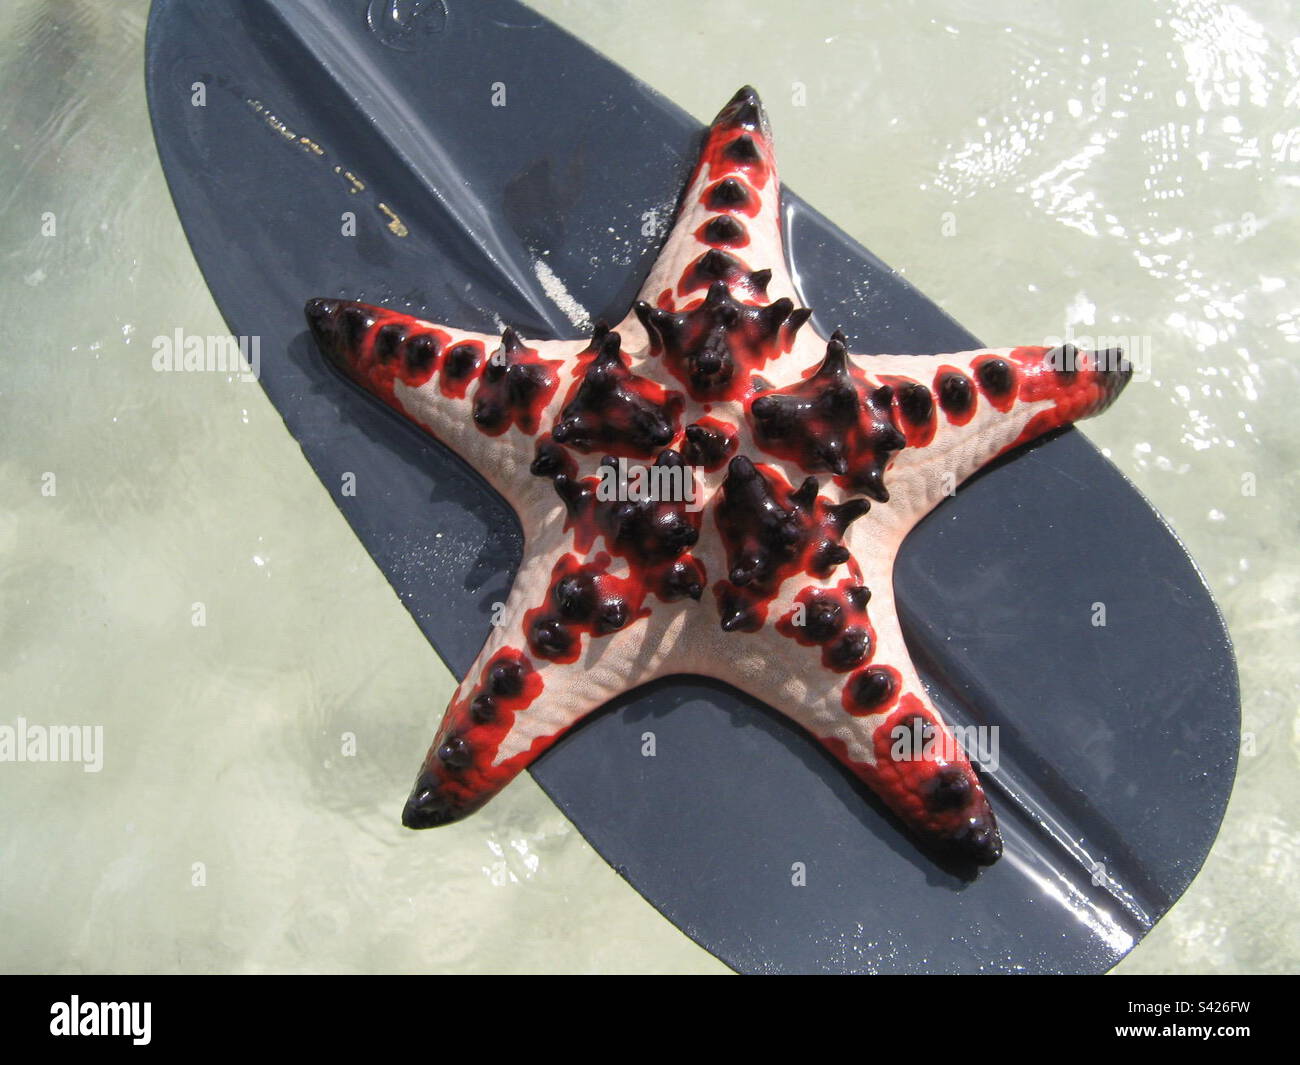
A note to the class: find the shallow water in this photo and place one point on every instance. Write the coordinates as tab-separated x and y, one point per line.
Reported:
1119	172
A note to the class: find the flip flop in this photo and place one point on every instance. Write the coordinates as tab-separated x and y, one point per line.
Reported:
1118	743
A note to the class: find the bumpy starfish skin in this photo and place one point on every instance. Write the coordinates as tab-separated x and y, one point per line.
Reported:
813	465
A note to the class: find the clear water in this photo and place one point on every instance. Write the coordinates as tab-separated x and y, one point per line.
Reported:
1108	168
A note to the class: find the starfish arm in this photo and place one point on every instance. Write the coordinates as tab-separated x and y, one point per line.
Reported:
959	412
828	652
485	397
905	430
728	227
841	670
579	628
719	304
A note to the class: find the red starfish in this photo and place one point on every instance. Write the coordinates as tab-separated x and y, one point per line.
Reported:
784	475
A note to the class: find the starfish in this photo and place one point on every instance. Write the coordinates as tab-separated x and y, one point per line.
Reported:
710	487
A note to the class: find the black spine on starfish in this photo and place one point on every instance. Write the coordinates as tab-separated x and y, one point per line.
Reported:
760	532
726	230
1065	359
389	339
579	600
995	377
729	194
576	494
339	326
916	402
709	445
355	321
462	361
765	538
744	150
655	535
653	530
744	111
956	393
615	406
511	385
832	421
716	266
557	465
836	618
652	533
552	461
829	553
1111	370
824	619
719	337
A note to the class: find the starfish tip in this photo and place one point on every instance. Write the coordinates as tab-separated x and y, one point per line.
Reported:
427	807
744	110
320	314
978	840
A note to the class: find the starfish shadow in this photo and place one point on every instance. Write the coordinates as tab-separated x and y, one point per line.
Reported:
660	698
1032	786
493	568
